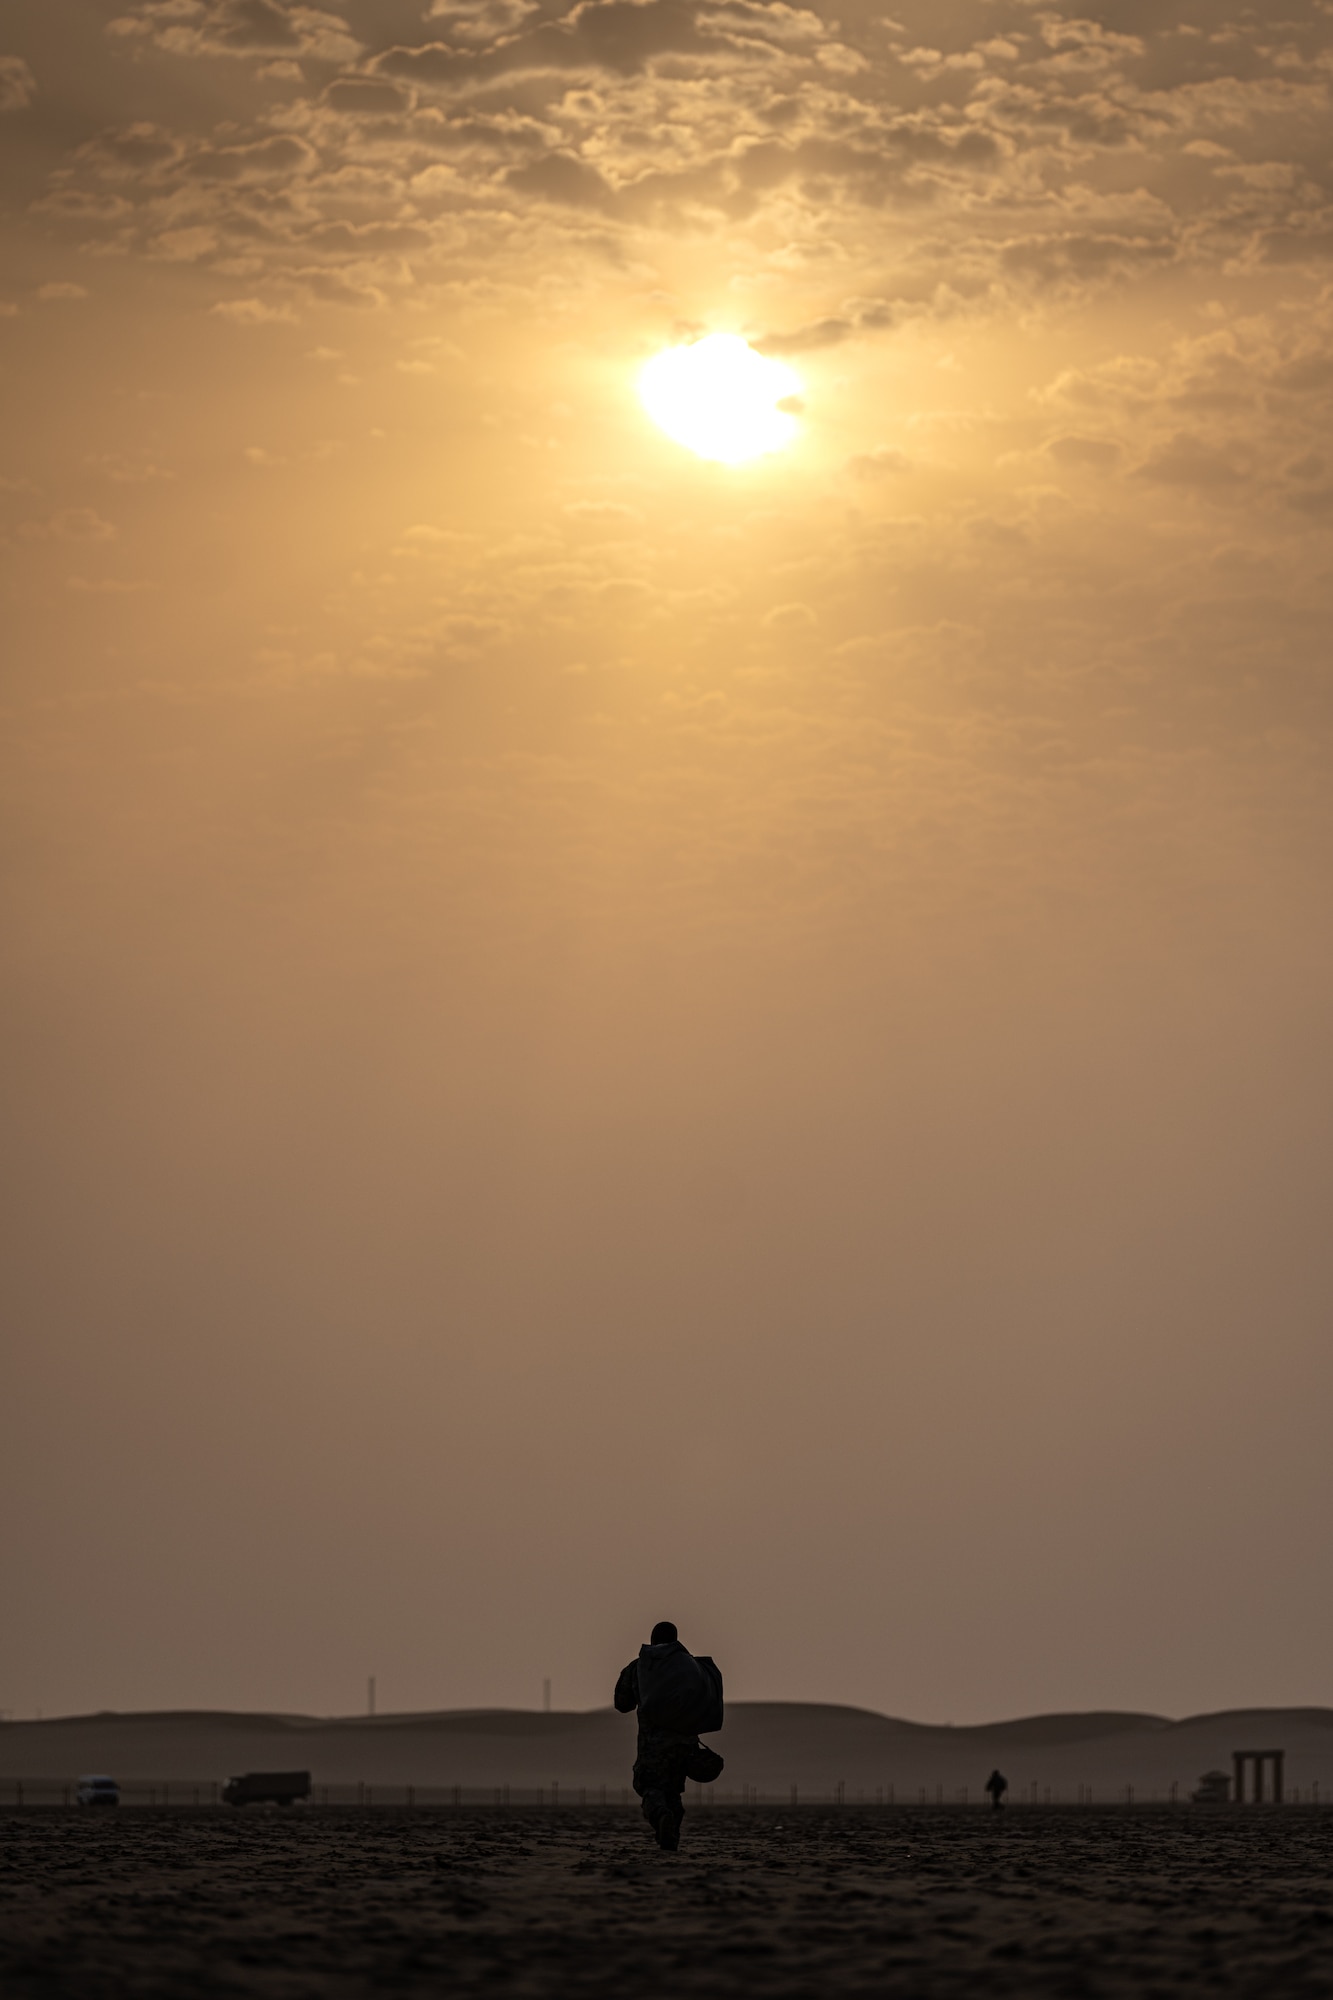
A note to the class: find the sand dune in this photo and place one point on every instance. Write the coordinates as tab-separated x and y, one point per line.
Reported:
768	1745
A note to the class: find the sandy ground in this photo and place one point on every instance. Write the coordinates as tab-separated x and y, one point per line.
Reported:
946	1901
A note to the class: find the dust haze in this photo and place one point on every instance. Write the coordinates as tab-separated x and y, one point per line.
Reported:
595	1036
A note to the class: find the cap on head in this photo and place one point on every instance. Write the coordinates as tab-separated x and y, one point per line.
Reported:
663	1633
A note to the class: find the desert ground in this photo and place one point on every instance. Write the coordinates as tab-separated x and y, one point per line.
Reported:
334	1903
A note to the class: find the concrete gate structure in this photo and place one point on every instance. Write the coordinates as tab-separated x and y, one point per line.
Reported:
1259	1759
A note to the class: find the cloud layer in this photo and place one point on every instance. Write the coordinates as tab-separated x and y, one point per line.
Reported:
1036	152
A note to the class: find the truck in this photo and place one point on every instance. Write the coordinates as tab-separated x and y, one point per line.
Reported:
263	1788
98	1790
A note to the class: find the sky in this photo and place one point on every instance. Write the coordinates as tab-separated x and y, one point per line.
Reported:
597	1035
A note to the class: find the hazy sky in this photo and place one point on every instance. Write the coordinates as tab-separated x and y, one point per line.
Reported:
595	1035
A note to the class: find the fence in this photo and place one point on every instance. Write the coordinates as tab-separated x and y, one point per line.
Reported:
200	1793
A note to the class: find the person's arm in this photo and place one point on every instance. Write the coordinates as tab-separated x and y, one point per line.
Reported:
627	1689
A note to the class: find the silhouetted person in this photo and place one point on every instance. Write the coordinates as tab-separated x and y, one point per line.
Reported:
676	1696
997	1785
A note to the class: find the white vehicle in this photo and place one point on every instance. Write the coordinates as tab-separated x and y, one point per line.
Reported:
98	1792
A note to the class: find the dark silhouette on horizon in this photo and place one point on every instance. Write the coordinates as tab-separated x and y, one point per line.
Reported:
997	1785
676	1697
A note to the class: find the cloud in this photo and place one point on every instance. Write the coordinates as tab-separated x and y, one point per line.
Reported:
620	37
1185	460
879	463
854	316
366	96
806	339
125	471
251	312
132	149
793	617
561	177
480	20
1077	257
237	29
282	156
1315	500
941	166
602	511
61	290
71	524
186	246
1101	454
1309	373
18	85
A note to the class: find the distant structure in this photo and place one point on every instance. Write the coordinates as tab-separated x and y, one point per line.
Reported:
1213	1789
1260	1759
271	1788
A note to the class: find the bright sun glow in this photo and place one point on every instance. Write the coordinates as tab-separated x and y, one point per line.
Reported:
721	399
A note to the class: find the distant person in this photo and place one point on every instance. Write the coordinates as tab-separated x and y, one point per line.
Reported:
997	1785
676	1697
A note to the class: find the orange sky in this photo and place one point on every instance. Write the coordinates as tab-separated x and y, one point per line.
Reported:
599	1036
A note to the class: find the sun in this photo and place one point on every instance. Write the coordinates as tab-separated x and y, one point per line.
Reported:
720	399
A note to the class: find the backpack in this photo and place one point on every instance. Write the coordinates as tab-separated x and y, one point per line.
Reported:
678	1692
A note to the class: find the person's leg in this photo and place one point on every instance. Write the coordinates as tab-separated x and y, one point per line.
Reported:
672	1785
663	1811
659	1780
668	1826
666	1810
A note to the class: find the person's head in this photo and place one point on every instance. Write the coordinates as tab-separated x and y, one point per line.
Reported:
663	1633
